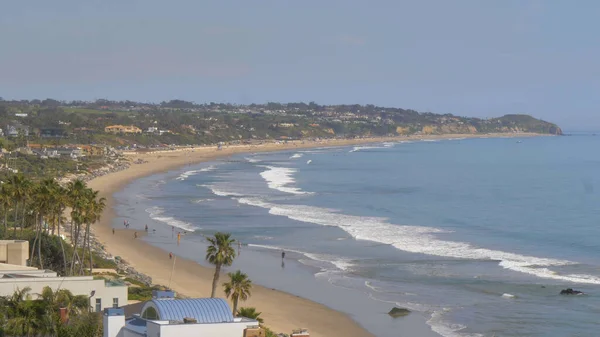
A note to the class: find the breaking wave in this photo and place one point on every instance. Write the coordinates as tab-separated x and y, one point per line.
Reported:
418	239
188	174
280	178
157	213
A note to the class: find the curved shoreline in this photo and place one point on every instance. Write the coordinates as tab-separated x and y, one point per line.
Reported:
282	311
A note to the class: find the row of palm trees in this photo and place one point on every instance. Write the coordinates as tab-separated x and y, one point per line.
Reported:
20	315
221	252
41	205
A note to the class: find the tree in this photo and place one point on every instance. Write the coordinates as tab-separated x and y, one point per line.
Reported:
238	288
250	313
220	253
17	188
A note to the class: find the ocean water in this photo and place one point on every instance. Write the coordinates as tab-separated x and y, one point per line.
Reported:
476	236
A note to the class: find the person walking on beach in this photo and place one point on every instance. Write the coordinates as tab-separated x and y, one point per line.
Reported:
178	237
170	256
282	254
135	235
146	228
113	231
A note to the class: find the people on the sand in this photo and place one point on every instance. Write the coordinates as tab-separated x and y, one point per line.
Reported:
178	237
170	255
113	231
146	228
282	255
135	235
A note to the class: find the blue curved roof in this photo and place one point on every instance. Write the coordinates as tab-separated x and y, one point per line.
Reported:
204	310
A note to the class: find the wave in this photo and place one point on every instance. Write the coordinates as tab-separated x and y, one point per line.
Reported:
220	192
199	201
279	178
188	174
336	261
417	239
360	148
297	155
156	213
445	328
252	160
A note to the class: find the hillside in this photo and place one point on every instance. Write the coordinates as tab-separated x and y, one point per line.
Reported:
178	122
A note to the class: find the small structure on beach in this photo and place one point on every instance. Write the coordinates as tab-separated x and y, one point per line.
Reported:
166	316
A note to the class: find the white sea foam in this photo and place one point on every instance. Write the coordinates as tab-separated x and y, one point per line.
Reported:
417	239
297	155
430	140
156	213
252	160
280	178
188	174
220	191
336	261
447	329
360	148
199	201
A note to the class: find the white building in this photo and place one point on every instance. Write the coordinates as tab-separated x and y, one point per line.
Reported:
103	294
16	275
170	317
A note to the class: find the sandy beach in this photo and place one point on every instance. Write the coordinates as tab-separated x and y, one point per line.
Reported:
282	311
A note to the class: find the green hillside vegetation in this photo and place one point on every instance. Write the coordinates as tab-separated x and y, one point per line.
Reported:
183	123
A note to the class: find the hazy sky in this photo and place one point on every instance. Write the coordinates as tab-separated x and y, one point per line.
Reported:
475	58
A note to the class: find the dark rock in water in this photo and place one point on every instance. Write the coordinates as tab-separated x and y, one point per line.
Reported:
398	312
570	291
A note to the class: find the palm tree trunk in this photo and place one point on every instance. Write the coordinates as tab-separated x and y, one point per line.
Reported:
62	246
235	304
23	219
37	235
90	249
40	242
15	221
75	243
6	222
215	280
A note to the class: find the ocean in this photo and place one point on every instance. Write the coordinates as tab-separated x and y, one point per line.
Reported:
476	236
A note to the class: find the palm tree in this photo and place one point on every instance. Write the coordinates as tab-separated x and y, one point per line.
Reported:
76	191
17	189
250	313
63	298
5	202
93	211
220	253
238	288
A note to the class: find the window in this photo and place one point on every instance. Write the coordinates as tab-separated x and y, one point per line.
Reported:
150	313
115	302
98	305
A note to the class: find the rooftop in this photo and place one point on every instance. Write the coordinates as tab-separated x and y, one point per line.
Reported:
203	310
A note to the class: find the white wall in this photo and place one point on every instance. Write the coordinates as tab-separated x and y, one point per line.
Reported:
113	326
80	285
235	329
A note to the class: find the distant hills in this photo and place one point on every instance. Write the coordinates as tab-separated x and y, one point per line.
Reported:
182	122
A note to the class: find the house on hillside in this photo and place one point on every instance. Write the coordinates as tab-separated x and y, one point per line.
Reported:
15	129
52	133
122	129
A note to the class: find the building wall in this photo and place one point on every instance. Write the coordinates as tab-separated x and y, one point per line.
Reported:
81	285
235	329
14	252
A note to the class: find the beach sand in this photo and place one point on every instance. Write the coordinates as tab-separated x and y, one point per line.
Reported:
281	311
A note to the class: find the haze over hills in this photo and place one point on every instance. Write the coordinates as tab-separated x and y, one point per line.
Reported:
183	122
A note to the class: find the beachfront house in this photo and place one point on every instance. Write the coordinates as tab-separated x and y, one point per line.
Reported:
166	316
16	275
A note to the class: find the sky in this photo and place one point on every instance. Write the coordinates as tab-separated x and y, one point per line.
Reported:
465	57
